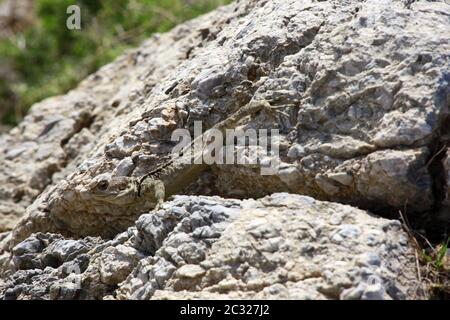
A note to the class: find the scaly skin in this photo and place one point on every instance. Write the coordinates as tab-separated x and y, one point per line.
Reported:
107	205
180	172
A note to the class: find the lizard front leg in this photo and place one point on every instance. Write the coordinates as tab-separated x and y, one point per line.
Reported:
160	193
153	190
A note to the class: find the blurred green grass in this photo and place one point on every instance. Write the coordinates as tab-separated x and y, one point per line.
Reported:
48	59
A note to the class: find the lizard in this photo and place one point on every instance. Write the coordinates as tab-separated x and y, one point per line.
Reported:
107	205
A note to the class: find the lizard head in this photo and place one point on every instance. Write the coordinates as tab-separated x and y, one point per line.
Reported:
113	190
83	205
103	205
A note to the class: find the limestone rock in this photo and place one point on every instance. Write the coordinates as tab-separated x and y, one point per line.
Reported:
283	246
362	89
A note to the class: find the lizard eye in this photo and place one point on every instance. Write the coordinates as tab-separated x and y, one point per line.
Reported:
102	185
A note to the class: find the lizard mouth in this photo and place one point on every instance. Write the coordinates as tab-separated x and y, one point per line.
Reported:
123	197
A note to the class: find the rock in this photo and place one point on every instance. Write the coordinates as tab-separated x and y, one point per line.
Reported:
46	266
442	172
362	90
361	97
10	213
283	246
25	254
190	271
32	152
117	263
15	16
61	251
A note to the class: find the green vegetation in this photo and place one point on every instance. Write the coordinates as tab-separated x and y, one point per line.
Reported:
437	257
436	266
48	59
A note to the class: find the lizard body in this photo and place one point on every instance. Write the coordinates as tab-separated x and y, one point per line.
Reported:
106	205
180	172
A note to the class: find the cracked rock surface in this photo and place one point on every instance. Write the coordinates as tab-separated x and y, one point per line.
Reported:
279	247
363	90
363	87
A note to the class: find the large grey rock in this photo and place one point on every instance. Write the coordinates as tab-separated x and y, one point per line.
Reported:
364	87
363	90
31	153
280	247
15	16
